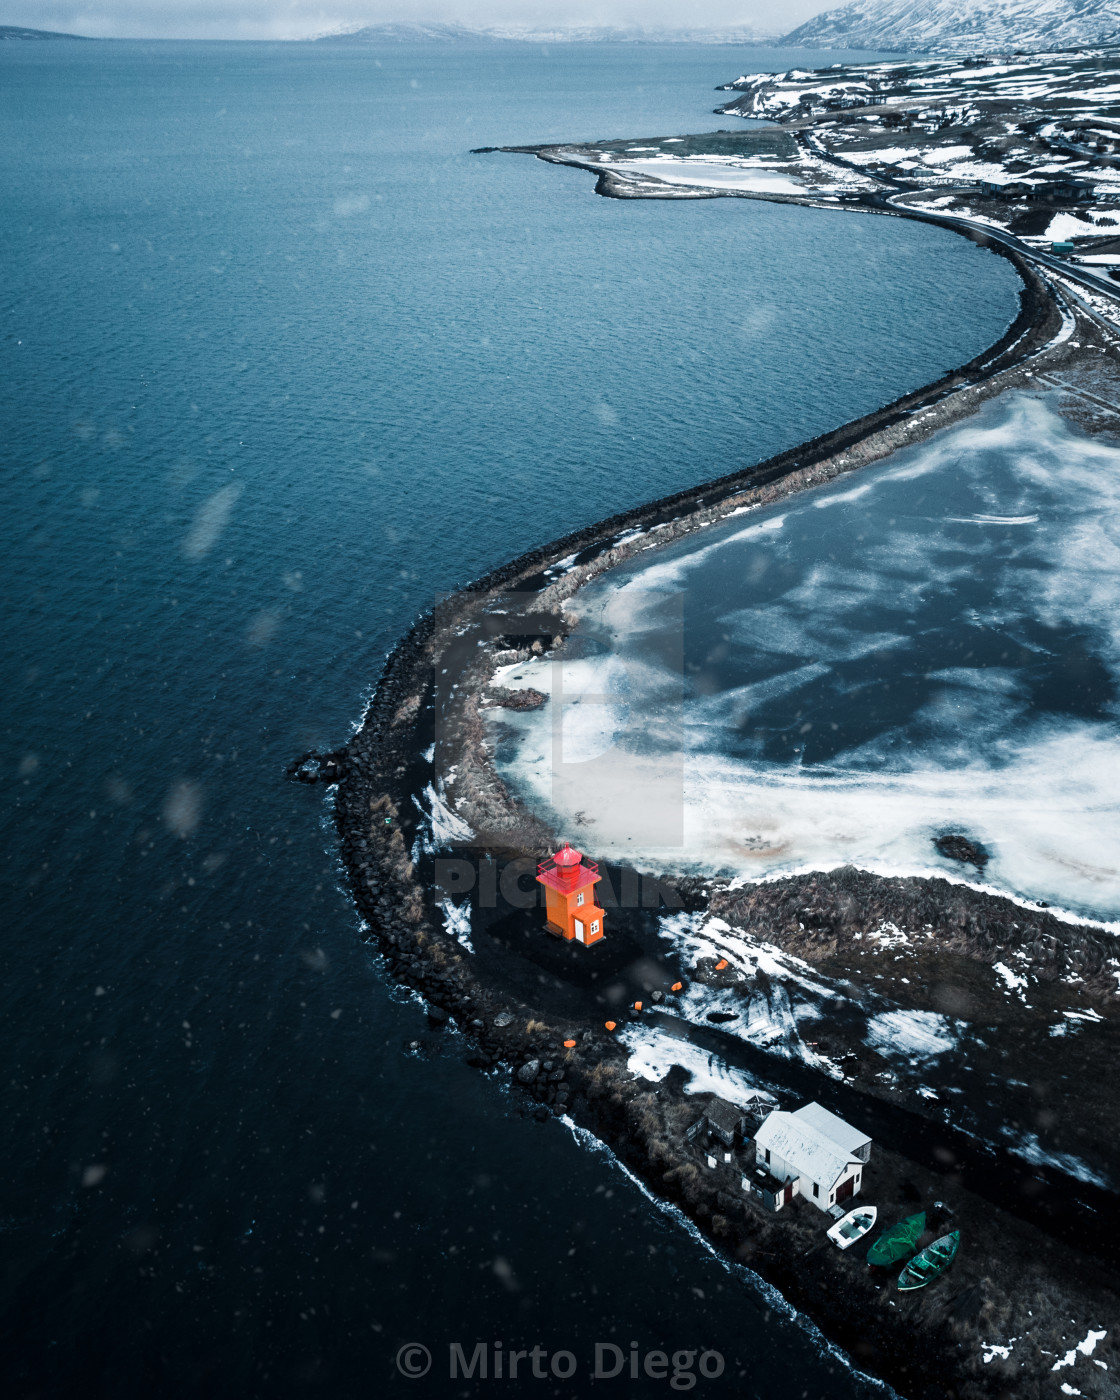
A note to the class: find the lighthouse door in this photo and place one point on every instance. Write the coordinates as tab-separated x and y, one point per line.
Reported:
579	930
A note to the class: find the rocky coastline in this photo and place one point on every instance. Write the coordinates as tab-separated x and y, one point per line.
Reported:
565	1061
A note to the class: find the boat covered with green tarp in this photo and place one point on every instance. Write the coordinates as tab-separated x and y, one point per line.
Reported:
898	1242
931	1263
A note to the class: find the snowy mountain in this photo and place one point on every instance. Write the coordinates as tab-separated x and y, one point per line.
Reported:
404	34
590	34
953	26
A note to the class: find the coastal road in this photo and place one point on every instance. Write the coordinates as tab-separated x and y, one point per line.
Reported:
884	203
1091	281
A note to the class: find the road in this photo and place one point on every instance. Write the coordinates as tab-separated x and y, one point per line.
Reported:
1092	281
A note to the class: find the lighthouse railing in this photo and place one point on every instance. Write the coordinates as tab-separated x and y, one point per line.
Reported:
565	874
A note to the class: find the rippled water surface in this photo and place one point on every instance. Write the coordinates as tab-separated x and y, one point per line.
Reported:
283	362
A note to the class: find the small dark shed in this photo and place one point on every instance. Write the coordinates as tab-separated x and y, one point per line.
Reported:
729	1122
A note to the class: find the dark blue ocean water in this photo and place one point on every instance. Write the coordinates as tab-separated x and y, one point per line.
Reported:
282	361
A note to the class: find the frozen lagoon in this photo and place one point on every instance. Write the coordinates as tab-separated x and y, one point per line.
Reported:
930	646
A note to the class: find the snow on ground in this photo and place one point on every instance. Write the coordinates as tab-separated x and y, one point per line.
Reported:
918	1035
698	936
1028	1147
1085	1347
889	935
1015	982
945	155
889	155
712	173
976	170
963	211
653	1053
439	827
1065	226
457	921
767	1018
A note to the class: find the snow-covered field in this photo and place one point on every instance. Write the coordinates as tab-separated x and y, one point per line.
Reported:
654	1052
716	174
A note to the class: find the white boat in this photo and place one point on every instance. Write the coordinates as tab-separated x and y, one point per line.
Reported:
853	1226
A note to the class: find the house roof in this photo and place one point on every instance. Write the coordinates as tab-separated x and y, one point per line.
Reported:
847	1138
725	1115
806	1140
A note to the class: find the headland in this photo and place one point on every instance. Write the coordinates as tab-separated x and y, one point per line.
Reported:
442	855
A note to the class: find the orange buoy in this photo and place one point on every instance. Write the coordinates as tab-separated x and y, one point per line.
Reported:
676	987
569	1045
610	1025
721	964
637	1006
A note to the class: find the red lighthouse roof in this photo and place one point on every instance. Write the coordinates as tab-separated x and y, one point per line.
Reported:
567	869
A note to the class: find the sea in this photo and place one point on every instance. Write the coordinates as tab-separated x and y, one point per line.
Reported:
283	363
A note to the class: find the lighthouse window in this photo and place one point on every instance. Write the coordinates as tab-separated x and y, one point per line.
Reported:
595	926
579	897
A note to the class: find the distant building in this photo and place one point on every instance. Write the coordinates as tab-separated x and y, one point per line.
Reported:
810	1153
1070	191
1006	189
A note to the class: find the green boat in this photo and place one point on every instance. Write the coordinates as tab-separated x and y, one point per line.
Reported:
899	1242
931	1263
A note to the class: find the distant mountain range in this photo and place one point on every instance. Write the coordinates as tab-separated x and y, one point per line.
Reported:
893	26
589	34
890	26
955	26
14	31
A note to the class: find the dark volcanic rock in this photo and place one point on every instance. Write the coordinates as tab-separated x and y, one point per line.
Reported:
960	848
317	768
529	1071
499	698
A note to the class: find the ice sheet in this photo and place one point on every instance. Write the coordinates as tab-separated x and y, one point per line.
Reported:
715	174
952	616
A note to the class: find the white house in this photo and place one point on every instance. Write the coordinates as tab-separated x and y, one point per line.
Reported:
815	1154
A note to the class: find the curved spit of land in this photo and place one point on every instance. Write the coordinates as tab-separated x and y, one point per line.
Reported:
1041	1257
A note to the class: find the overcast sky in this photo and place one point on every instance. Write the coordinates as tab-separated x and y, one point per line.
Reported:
296	19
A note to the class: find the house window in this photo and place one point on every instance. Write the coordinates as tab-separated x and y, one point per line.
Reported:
594	925
579	897
767	1154
816	1189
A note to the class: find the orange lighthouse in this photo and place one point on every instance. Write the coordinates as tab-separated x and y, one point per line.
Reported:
569	892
